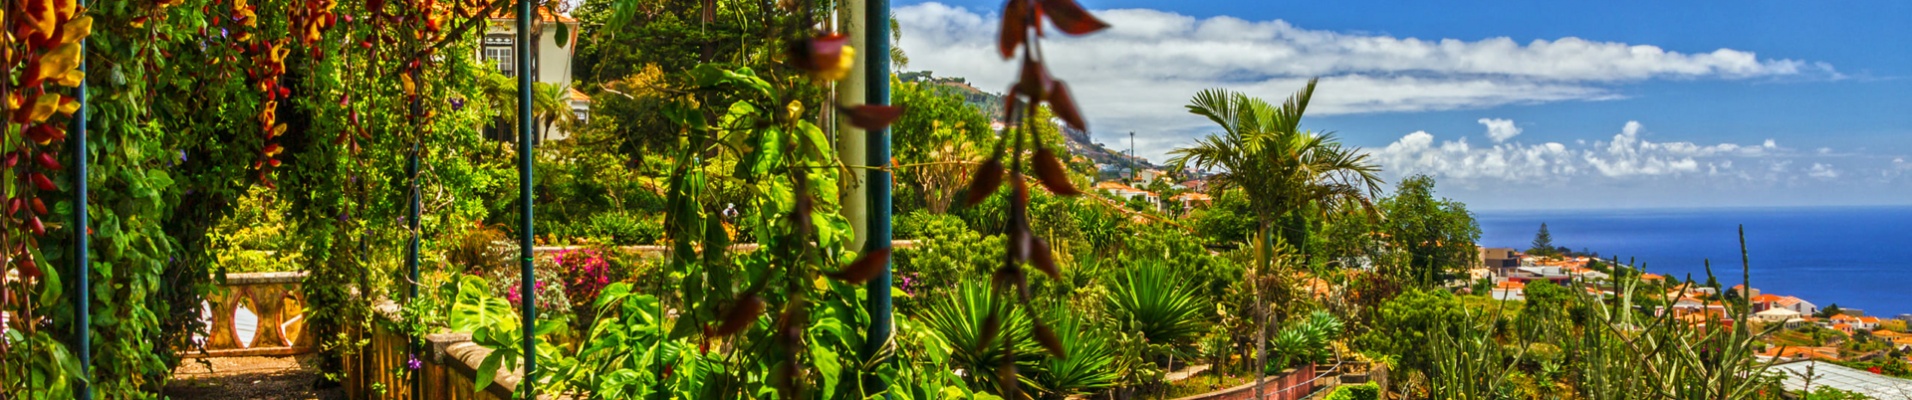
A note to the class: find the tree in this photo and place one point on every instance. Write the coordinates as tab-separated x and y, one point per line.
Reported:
1543	242
1262	151
1830	310
1437	234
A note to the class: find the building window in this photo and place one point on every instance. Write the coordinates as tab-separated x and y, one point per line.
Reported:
498	49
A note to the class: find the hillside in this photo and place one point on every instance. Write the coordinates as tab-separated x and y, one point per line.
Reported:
1079	143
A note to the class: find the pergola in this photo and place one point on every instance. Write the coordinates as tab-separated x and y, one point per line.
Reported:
875	84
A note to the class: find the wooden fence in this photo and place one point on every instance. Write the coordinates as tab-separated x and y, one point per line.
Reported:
447	365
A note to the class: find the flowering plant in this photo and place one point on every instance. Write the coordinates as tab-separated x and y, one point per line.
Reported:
585	273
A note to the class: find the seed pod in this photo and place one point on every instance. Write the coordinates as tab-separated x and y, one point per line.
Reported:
1041	257
41	182
39	207
33	222
13	206
46	161
1064	105
1070	17
1015	27
865	267
1050	173
987	179
12	159
868	117
992	325
741	315
1048	340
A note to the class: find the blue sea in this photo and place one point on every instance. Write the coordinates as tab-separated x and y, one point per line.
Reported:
1858	257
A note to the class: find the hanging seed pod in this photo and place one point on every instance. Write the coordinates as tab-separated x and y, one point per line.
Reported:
741	315
13	206
1048	340
1041	257
1006	376
1015	27
41	182
46	161
992	325
864	268
1070	17
1022	193
988	178
33	222
38	206
1050	173
1064	106
12	158
869	117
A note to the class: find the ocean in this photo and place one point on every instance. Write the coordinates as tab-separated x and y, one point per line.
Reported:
1856	257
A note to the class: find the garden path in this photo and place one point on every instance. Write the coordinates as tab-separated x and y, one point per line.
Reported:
289	378
1184	373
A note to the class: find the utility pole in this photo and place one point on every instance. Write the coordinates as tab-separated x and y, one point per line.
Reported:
1133	173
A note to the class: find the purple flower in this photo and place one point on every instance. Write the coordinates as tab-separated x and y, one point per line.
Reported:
457	104
413	363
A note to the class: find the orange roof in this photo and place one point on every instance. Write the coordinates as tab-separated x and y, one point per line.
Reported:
1192	196
1823	353
579	96
1789	300
1843	317
1510	285
1652	277
1766	298
1869	320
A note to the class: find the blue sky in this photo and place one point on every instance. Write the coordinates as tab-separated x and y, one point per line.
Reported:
1512	105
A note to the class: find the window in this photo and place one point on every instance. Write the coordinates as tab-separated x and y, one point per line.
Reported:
499	49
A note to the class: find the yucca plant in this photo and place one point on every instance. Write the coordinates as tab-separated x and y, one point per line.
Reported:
976	324
1088	359
1149	300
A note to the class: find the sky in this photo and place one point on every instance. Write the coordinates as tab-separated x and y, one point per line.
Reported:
1508	105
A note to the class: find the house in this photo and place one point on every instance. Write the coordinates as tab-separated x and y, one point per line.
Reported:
1745	293
1501	260
550	61
1776	315
1796	304
1510	290
1763	302
1148	176
1125	192
1191	200
1866	323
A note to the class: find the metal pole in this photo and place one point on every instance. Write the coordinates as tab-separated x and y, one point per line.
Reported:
411	249
527	288
877	80
83	297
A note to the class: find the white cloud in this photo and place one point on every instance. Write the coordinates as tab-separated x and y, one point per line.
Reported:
1822	171
1626	155
1499	130
1138	74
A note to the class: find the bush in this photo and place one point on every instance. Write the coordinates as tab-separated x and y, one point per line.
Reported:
623	229
1365	391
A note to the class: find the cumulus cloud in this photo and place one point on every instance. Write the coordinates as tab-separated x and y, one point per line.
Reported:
1138	74
1499	130
1626	155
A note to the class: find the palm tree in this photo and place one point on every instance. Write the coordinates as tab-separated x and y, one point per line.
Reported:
551	105
1262	151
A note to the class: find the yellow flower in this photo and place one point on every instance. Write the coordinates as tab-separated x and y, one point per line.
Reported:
44	107
77	29
841	68
72	78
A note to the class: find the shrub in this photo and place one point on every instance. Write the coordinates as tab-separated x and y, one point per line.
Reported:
1148	300
1365	391
623	229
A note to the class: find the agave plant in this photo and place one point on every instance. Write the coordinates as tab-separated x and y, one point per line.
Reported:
978	326
1147	299
1087	361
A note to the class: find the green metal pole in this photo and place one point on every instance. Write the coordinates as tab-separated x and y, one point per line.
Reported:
877	82
83	295
412	221
527	288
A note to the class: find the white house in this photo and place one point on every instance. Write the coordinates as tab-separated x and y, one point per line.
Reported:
1776	315
1796	304
1125	192
550	62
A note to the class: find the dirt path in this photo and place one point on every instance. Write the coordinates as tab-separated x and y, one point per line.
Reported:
249	378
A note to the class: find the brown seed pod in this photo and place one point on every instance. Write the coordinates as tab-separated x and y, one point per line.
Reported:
987	179
1041	257
869	117
1015	27
1070	17
1048	340
741	316
864	268
1064	105
992	325
1050	173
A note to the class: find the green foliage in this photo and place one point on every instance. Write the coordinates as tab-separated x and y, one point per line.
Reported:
1304	341
1147	299
1403	326
1088	361
1365	391
1437	234
1543	242
984	333
1228	220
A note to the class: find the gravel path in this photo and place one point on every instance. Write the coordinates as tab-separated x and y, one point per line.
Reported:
249	378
